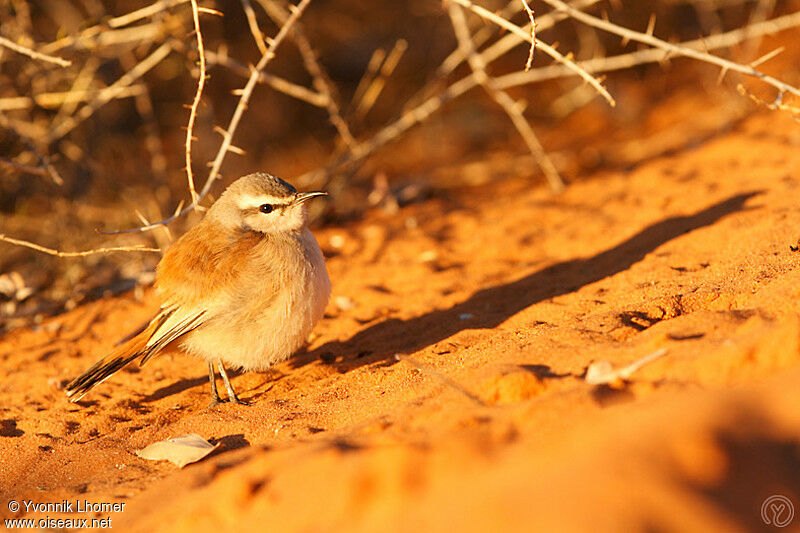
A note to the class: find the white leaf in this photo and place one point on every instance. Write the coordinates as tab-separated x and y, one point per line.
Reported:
602	373
180	450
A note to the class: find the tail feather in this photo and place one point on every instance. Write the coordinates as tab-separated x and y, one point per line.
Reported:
167	326
107	366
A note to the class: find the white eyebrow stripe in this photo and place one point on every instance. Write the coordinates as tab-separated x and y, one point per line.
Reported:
250	202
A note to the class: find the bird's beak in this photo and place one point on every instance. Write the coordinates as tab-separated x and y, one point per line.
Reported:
305	196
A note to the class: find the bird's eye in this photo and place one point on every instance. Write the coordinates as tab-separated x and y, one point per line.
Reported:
266	208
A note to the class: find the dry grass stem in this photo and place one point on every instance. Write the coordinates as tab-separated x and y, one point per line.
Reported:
74	96
108	33
106	96
252	22
377	83
373	65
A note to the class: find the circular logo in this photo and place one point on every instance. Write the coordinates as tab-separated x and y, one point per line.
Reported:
777	510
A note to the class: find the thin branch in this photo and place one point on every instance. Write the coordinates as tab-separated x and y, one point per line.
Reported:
651	55
101	30
145	12
53	100
29	169
258	37
319	78
33	54
244	98
276	82
510	40
503	99
57	253
777	105
546	48
201	81
529	11
671	49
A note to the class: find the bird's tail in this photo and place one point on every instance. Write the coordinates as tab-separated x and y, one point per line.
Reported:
107	366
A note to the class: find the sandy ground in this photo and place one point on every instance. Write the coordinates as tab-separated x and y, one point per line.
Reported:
498	298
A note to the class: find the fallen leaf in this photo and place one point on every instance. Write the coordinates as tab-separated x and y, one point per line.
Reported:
179	450
603	373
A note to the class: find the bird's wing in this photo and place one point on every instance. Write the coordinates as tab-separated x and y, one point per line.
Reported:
171	323
197	279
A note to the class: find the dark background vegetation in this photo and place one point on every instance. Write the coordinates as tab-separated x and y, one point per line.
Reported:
111	168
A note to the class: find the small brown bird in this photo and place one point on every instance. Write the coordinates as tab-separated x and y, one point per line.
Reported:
244	287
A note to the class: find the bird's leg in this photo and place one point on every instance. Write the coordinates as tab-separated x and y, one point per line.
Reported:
231	393
215	399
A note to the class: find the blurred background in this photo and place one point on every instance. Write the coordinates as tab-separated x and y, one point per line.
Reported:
358	100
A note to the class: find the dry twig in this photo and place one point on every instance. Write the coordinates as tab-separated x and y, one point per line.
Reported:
652	55
51	251
33	54
116	88
225	145
670	49
504	100
319	78
201	81
546	48
529	11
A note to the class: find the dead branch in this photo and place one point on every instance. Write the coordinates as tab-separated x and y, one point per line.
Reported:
244	98
671	49
33	54
319	78
651	55
503	99
201	81
57	253
276	82
529	11
546	48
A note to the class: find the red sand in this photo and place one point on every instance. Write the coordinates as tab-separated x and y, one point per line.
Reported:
500	297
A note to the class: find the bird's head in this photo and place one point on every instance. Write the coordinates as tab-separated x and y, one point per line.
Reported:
261	202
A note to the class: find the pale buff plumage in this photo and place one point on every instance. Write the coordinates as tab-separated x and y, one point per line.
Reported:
243	288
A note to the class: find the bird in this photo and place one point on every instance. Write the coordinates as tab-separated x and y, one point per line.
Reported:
244	287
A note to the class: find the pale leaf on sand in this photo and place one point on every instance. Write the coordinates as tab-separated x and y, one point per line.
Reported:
180	450
602	373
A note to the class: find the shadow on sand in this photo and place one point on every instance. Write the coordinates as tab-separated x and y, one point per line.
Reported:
491	306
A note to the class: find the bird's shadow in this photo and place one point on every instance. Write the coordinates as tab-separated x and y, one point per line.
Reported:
487	308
